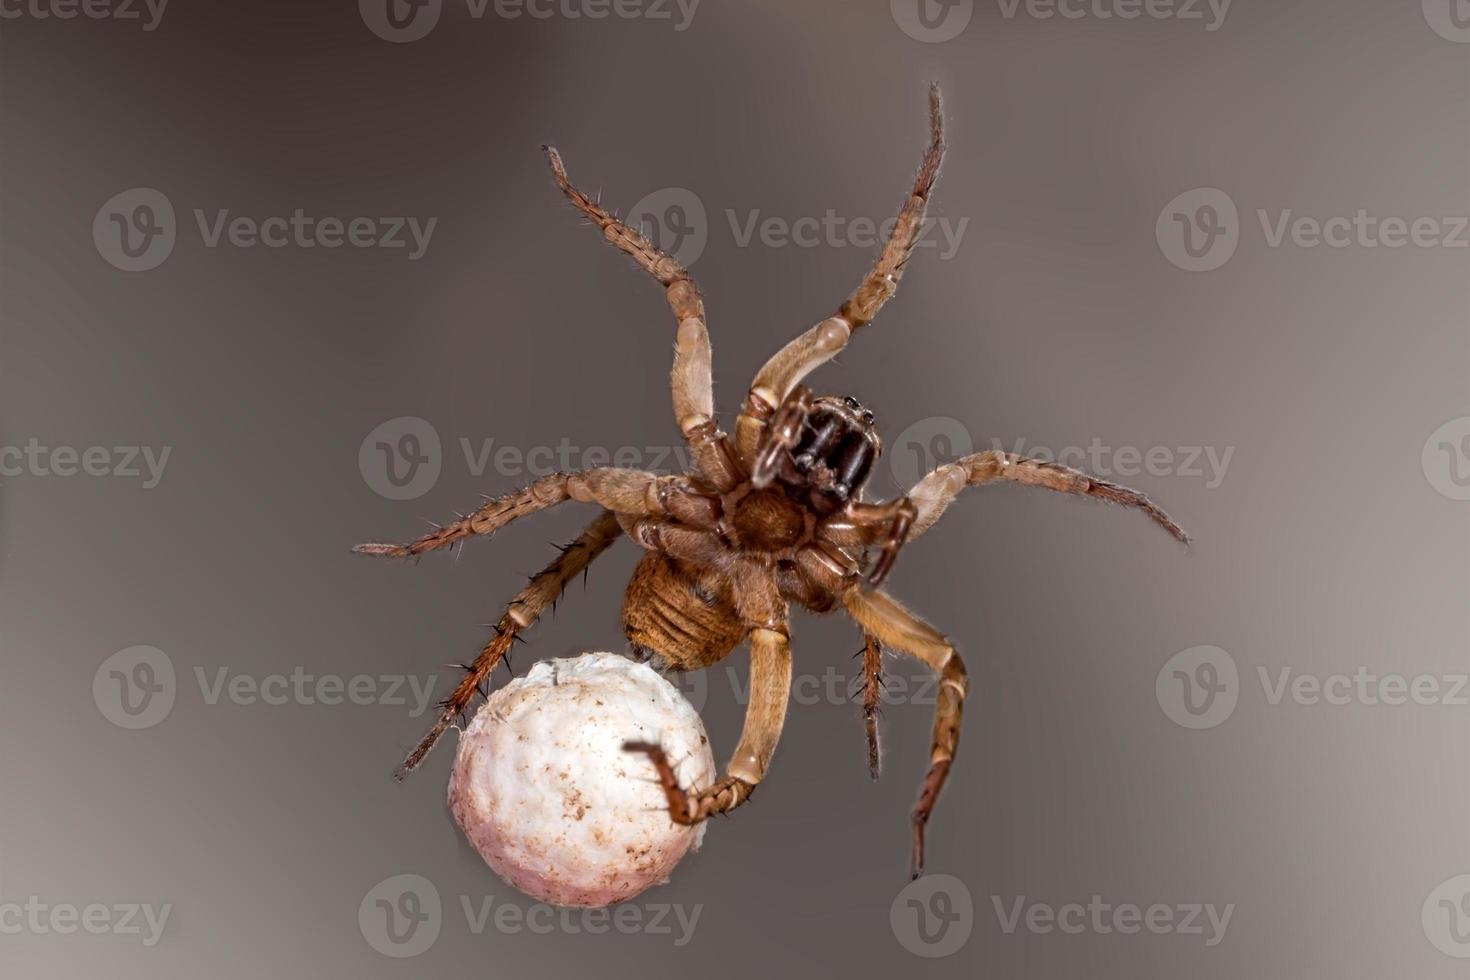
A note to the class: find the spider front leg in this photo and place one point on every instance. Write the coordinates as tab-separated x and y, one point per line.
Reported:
881	616
622	490
693	385
825	340
933	494
882	282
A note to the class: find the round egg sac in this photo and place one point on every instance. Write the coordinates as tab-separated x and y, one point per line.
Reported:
545	792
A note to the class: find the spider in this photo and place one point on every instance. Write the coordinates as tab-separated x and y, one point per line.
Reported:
767	518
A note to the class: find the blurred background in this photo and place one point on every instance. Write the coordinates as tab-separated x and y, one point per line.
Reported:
276	278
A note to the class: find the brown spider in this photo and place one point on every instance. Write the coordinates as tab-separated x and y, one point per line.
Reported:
770	517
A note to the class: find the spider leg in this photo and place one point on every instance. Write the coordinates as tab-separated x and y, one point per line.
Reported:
760	606
693	386
872	689
824	341
770	684
621	490
883	618
933	494
882	281
820	574
521	614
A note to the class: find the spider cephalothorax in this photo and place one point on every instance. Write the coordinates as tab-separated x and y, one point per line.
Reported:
771	516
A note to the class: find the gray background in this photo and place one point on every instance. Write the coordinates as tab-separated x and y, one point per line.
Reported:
1324	549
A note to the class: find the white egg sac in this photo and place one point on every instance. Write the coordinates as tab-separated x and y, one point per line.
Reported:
546	794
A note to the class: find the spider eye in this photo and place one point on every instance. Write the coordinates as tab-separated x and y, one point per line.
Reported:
851	402
869	418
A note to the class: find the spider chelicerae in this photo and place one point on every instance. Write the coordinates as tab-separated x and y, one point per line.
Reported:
768	518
